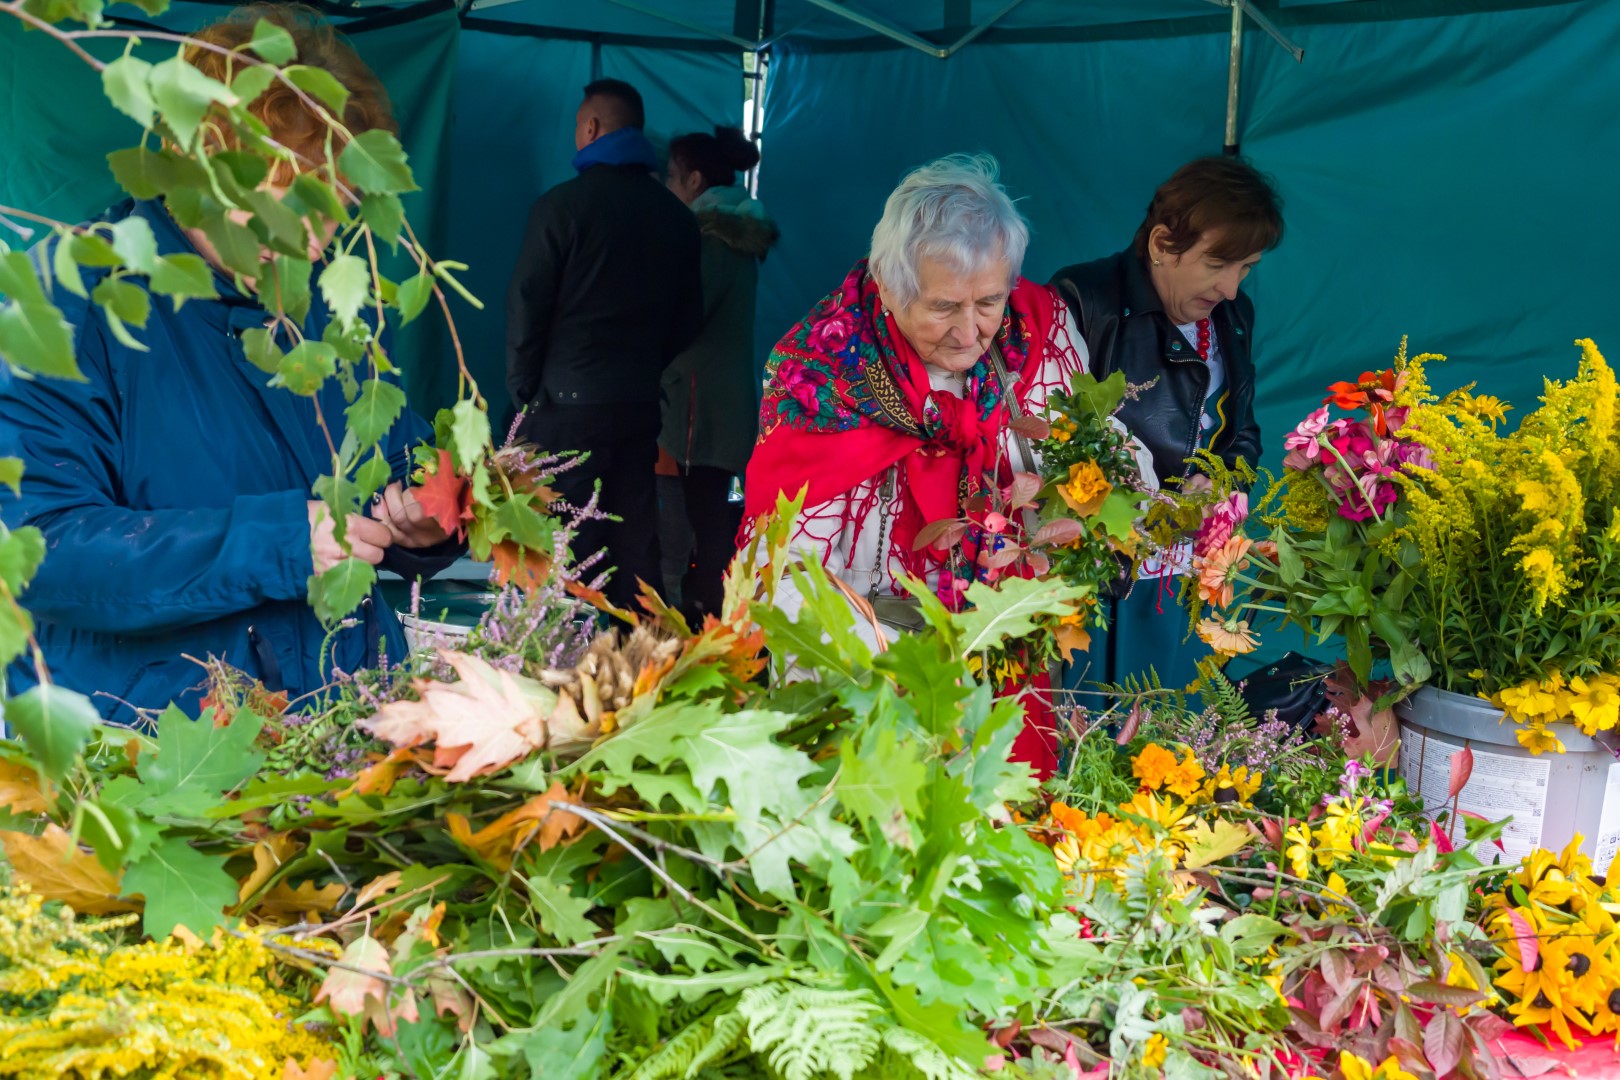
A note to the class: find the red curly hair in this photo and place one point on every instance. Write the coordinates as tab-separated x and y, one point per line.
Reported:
291	121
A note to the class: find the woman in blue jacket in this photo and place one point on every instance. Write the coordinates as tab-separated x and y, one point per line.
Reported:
173	485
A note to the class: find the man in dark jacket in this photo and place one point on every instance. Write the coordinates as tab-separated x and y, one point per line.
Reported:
607	291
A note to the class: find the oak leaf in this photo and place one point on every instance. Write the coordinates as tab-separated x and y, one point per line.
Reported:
19	789
285	905
378	777
378	886
1071	639
481	724
269	855
499	842
1378	734
446	497
52	866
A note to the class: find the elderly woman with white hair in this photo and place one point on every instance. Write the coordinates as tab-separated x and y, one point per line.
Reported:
891	400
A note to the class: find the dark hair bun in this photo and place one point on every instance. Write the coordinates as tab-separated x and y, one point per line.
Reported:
735	148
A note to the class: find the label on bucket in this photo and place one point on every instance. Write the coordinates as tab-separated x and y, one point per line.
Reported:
1498	787
1608	834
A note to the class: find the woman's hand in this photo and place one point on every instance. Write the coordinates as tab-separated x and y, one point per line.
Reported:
367	539
409	525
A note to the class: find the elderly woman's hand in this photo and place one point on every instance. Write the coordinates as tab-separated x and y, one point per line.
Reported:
368	539
407	522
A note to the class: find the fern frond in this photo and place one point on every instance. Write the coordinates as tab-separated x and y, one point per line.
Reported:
1221	694
925	1056
704	1040
805	1031
726	1033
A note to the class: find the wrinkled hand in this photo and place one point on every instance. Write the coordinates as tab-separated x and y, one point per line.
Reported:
367	539
406	521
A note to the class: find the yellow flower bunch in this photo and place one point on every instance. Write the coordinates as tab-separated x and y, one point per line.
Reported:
1086	487
1560	964
1063	429
1518	539
1591	704
1355	1067
1096	845
82	1006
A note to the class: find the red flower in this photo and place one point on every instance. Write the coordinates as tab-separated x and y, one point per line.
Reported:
1374	391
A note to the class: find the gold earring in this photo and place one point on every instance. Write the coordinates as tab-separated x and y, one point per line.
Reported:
1158	262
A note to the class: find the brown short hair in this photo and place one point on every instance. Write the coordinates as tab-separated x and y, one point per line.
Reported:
1224	193
291	122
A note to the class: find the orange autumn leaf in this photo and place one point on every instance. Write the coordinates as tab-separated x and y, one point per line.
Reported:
1071	638
598	599
379	886
285	905
378	777
19	790
517	565
480	724
269	855
317	1069
52	866
499	842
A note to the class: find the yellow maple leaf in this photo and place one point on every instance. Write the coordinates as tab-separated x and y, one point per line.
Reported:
50	865
19	789
1207	845
269	855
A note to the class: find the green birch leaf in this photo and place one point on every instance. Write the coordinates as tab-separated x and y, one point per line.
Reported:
183	276
310	194
272	43
123	302
340	589
469	433
182	887
259	345
11	474
345	284
125	82
34	336
252	81
375	162
414	294
321	84
374	411
55	723
306	367
372	475
383	214
21	550
184	95
237	246
66	268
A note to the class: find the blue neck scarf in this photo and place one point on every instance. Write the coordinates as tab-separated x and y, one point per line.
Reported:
627	146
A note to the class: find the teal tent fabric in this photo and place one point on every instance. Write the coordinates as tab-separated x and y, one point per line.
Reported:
57	129
1446	177
513	138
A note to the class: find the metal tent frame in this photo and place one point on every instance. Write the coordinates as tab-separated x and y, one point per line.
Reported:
753	32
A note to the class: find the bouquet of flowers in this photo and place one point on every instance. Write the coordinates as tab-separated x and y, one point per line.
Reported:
1334	559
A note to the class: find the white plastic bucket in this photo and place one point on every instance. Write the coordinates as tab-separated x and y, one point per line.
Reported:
1549	796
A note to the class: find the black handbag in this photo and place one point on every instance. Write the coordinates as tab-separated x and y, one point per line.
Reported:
1294	686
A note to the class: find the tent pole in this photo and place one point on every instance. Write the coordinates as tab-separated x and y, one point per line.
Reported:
1234	77
686	24
968	37
881	27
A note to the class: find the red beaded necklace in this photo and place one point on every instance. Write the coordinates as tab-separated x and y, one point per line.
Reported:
1203	340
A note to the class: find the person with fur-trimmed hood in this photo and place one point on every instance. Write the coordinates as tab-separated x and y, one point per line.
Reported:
709	392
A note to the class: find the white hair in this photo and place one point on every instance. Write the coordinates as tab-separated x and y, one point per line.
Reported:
953	210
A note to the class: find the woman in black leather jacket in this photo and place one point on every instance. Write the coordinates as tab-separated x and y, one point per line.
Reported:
1169	311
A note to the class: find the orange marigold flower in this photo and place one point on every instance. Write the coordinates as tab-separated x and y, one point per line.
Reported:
1152	765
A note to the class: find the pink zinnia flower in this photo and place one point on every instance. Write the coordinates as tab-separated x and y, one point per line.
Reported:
1303	439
